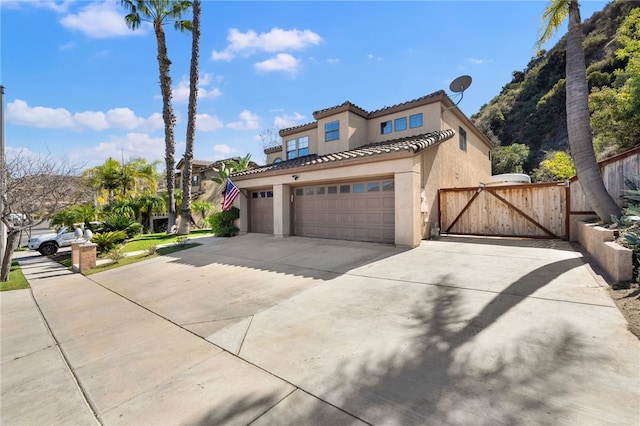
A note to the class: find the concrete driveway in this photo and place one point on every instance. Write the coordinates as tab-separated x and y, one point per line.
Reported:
265	331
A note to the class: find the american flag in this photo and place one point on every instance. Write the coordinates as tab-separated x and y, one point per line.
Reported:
230	194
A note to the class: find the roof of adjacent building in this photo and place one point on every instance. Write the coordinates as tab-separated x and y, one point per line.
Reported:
411	144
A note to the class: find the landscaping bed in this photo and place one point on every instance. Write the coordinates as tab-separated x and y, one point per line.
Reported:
627	297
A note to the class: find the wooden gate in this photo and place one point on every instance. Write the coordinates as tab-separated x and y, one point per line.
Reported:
533	211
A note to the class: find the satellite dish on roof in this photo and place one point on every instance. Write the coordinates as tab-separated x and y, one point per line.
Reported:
460	84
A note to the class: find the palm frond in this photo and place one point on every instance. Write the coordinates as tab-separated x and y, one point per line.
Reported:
552	18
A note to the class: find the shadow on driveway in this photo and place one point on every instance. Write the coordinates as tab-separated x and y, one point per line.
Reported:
456	367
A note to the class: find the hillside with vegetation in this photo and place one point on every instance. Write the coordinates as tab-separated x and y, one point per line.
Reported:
527	120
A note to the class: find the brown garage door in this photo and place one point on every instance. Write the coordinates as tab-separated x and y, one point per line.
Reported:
359	211
262	212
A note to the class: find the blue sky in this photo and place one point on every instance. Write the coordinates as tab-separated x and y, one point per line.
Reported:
80	85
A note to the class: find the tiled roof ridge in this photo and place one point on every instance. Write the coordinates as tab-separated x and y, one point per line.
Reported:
344	104
413	144
364	112
431	95
299	126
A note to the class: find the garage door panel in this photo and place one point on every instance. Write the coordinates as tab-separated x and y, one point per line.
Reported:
374	219
359	204
360	218
359	211
262	212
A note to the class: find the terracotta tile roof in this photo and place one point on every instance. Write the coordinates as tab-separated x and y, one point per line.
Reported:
412	144
409	104
346	105
295	129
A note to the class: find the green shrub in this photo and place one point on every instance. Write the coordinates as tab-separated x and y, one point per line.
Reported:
107	240
122	223
115	254
222	222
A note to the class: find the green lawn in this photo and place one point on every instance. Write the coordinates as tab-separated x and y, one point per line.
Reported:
137	258
146	241
16	280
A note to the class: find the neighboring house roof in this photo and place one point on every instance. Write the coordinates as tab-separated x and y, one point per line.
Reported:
410	144
203	165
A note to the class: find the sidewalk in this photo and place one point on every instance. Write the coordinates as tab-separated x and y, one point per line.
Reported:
133	366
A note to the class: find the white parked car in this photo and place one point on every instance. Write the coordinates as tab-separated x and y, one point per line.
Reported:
49	244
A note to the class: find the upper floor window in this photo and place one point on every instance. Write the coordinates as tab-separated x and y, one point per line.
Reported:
463	138
332	131
297	147
400	124
415	121
385	127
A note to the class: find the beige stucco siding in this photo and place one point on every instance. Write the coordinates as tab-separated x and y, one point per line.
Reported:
447	166
282	155
338	145
430	123
404	168
357	131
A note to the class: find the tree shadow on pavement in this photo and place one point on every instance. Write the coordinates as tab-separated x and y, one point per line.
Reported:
460	371
462	368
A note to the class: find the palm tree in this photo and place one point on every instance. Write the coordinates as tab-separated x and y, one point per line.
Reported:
107	176
577	90
185	212
140	176
202	207
149	203
159	12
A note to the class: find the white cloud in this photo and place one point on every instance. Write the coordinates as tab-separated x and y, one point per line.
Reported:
373	57
56	6
100	20
480	61
67	46
281	62
181	91
248	121
132	145
333	60
19	112
208	123
285	120
276	40
223	149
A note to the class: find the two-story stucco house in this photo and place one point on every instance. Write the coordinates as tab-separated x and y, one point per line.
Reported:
364	176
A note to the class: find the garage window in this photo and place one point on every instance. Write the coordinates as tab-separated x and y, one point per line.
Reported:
373	187
387	185
358	187
345	189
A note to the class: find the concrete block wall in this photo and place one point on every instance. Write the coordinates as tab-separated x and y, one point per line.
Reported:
616	260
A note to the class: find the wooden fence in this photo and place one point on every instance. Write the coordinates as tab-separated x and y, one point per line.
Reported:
535	210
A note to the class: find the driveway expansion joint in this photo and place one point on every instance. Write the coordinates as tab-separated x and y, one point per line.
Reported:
65	361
